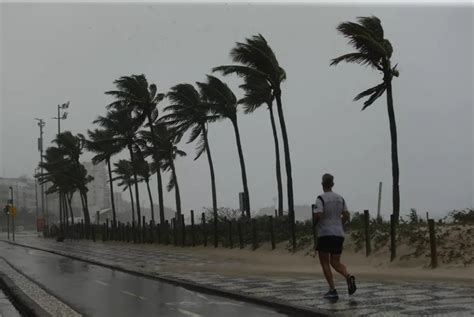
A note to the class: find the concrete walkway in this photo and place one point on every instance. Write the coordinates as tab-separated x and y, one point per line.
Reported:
303	294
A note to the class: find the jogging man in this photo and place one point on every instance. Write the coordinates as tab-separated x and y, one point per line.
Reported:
330	213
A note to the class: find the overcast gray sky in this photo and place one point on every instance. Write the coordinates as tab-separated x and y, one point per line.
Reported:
57	52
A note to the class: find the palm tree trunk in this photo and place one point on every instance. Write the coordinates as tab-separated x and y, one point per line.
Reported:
135	180
65	211
133	204
289	179
69	201
395	168
114	216
151	200
158	172
277	159
242	167
61	214
85	208
176	190
213	184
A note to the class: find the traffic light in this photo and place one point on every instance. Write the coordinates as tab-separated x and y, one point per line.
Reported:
6	209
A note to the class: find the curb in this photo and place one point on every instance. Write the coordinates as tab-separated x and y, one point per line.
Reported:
22	302
281	307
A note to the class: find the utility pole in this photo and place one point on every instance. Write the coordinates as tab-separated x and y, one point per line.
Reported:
36	196
380	200
41	125
61	116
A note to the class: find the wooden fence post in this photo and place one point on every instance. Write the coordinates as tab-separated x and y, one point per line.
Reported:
204	231
239	232
272	233
175	235
367	232
183	231
393	245
231	241
166	232
254	234
193	238
434	255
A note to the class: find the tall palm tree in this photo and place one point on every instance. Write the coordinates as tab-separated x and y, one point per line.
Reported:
167	139
124	174
143	98
188	112
223	103
367	37
373	50
101	143
121	122
256	58
258	92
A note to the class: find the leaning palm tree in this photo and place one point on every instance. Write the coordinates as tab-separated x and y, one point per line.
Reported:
188	112
223	103
256	58
167	139
101	143
367	37
258	92
123	171
143	98
124	125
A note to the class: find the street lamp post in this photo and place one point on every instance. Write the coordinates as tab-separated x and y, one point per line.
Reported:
41	125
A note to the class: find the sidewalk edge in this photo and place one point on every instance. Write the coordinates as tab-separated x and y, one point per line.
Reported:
22	302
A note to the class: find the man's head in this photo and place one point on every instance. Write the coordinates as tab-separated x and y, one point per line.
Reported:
327	181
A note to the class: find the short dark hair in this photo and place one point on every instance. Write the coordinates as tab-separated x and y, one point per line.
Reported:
328	180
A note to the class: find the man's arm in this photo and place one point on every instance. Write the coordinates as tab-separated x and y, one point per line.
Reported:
346	216
317	211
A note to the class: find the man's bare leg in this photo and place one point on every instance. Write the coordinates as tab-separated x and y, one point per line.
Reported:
325	264
338	266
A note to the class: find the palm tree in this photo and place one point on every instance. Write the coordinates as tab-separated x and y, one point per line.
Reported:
72	147
255	58
143	98
223	103
166	139
66	173
121	123
373	50
124	174
101	143
258	92
188	112
367	37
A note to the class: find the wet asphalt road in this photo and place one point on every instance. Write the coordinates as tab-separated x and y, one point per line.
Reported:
97	291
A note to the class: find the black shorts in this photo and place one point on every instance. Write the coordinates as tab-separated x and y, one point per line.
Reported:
330	244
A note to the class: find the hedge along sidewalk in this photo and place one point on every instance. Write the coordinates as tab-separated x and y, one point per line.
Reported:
294	294
29	298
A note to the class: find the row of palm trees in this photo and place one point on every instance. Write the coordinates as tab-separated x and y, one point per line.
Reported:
134	123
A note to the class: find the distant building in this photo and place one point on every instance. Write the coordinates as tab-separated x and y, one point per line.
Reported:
24	195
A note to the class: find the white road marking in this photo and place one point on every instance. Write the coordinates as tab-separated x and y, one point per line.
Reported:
133	295
100	282
188	313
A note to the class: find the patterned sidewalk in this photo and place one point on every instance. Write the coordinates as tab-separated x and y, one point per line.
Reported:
371	298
